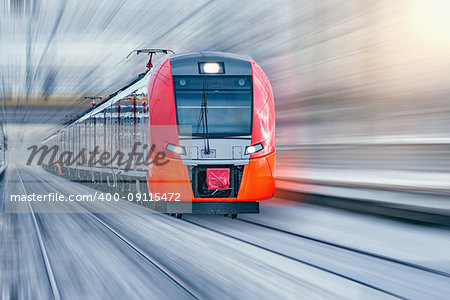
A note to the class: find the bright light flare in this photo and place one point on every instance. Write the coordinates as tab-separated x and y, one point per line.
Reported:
253	148
433	19
211	67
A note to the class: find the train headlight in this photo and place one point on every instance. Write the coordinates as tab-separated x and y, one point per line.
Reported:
176	149
253	149
211	68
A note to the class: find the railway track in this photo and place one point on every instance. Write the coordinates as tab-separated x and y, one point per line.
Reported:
379	266
298	260
48	267
142	253
348	248
147	257
346	274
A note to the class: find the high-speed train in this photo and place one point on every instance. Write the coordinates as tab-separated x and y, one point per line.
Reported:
205	122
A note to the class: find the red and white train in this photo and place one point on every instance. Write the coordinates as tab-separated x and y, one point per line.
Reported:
211	113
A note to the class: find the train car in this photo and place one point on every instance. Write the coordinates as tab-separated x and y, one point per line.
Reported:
3	148
212	116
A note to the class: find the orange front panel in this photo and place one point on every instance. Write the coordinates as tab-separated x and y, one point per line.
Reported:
173	177
258	180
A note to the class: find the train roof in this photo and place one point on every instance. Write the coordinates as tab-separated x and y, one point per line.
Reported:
208	55
182	64
138	84
187	64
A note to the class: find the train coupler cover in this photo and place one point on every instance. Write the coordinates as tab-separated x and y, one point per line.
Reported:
218	178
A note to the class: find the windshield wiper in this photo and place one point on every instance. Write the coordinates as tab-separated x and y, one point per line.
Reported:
203	117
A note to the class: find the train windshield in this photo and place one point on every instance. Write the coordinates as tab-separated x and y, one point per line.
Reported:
218	105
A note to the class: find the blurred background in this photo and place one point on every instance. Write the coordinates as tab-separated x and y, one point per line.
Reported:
362	99
361	87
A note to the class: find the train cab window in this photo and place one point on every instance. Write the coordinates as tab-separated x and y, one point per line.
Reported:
226	102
